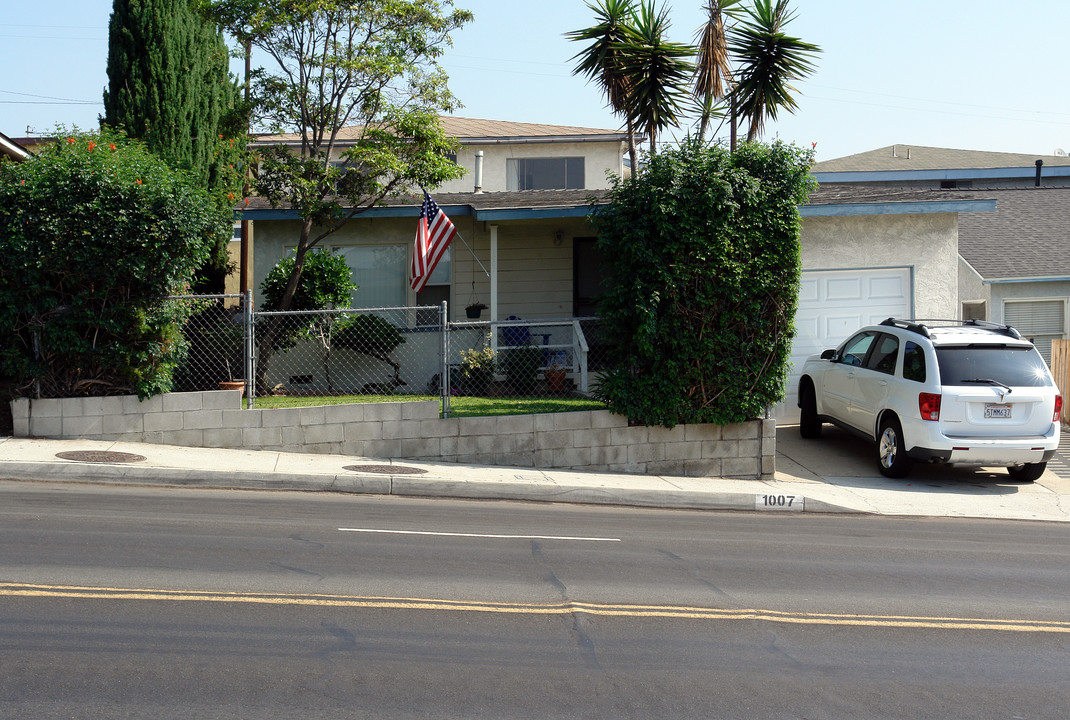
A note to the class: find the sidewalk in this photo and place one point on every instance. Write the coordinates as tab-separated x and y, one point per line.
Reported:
834	474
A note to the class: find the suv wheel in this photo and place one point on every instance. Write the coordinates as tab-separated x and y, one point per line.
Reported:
891	453
1026	473
809	423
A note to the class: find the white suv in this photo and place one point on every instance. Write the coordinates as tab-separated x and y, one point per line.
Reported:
969	393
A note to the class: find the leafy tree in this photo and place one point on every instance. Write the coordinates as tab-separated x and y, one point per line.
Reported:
657	72
95	232
333	64
169	86
703	253
326	283
601	60
768	61
713	70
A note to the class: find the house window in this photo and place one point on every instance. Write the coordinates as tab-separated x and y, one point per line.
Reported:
1041	321
382	274
564	173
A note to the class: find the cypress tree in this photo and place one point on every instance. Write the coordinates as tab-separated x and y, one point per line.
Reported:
169	85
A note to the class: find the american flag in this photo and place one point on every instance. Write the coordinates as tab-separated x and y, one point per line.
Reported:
434	232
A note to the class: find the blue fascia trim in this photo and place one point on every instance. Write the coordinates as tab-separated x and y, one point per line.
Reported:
837	210
898	208
532	213
869	176
453	211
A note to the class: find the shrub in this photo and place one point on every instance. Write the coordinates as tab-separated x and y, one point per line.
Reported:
702	248
521	368
95	232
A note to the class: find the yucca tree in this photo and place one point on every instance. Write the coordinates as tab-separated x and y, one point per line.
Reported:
657	71
600	61
713	69
768	60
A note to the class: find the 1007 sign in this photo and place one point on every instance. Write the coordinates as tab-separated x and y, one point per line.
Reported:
778	502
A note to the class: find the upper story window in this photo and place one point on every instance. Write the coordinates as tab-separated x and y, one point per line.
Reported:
563	173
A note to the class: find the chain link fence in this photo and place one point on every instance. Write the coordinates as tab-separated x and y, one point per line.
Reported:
385	351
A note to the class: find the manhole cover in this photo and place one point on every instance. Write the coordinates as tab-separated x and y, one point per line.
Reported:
386	469
100	456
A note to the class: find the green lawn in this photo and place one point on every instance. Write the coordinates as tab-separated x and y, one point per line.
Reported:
459	406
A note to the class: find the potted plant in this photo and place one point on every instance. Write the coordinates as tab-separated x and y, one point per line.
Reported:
474	310
555	378
477	370
230	383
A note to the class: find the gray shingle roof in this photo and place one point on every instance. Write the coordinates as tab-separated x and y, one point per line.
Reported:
1028	236
920	157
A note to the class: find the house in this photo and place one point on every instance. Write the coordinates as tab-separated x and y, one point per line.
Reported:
867	253
12	150
1014	262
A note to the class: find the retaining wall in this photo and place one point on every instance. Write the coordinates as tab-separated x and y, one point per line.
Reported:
594	440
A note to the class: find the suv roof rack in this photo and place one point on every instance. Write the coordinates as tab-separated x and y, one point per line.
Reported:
911	325
922	326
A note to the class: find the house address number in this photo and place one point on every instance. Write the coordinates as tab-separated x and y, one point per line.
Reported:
789	503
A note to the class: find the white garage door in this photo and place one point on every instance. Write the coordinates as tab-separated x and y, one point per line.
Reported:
832	305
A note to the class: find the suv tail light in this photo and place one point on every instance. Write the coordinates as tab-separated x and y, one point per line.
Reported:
929	405
1058	408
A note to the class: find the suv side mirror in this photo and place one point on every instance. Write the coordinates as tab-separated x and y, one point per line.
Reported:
828	354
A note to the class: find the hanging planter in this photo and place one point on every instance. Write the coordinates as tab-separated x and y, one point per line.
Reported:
475	310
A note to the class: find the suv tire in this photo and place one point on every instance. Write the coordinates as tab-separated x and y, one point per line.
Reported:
1026	473
892	456
809	422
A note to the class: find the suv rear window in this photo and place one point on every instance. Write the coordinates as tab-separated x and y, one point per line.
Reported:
1013	366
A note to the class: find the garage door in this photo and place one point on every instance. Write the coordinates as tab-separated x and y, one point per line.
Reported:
833	304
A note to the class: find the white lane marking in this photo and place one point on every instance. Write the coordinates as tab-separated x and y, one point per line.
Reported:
479	535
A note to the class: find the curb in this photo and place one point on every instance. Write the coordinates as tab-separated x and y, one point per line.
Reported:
396	485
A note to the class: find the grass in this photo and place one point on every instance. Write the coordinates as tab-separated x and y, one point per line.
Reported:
459	406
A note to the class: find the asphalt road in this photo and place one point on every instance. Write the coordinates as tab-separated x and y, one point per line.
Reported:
123	602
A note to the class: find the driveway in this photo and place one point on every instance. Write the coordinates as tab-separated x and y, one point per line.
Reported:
839	458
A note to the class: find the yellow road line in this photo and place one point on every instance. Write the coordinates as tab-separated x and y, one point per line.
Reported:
602	609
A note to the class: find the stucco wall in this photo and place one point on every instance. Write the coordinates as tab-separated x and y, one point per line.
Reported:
926	243
598	158
590	440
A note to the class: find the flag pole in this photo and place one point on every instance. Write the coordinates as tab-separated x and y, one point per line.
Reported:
474	256
470	250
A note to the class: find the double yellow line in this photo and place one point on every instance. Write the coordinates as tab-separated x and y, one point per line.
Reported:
563	608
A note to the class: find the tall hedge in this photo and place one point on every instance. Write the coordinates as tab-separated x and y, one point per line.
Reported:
169	85
702	248
95	232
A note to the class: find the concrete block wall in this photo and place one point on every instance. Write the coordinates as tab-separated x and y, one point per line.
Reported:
595	440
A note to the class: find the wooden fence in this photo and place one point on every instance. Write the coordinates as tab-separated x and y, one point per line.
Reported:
1060	368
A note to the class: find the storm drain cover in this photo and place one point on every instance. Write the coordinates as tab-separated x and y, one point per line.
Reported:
386	469
100	456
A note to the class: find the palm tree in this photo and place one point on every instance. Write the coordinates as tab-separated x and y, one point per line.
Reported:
768	61
601	60
657	70
713	71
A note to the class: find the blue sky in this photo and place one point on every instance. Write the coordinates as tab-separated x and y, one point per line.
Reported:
982	75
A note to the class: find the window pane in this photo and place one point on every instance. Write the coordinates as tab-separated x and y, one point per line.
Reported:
1013	366
441	275
544	173
574	179
381	272
914	362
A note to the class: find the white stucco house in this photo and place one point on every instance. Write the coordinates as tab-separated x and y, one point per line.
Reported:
868	253
1013	261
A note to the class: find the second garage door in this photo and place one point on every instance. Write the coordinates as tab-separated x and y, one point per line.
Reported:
833	304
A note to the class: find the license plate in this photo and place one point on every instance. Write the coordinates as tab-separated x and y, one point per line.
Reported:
997	411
